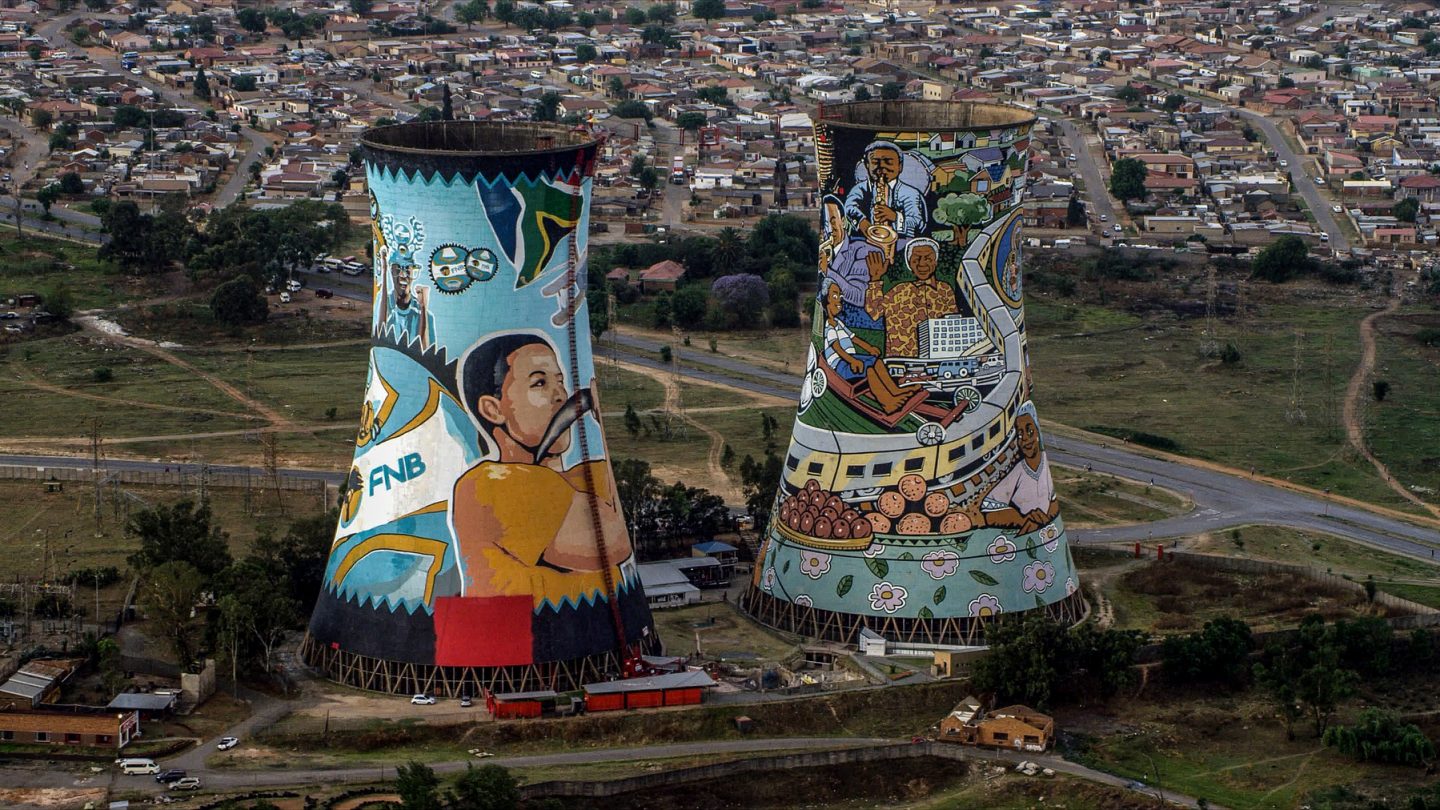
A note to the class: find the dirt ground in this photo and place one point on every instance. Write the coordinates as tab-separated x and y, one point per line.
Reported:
49	798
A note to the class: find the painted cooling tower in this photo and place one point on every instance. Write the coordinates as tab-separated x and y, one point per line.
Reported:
480	542
916	498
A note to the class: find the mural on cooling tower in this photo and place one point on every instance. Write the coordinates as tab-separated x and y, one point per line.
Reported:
466	536
917	484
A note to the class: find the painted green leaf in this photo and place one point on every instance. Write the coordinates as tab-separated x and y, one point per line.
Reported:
785	569
877	566
843	587
926	614
1039	603
906	556
939	595
1030	549
983	578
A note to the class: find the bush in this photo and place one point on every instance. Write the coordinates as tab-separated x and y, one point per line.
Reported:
238	302
102	374
1379	736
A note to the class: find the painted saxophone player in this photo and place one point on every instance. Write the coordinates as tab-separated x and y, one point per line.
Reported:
916	499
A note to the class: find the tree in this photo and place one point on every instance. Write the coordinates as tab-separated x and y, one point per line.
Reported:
661	13
179	532
1406	210
97	5
1127	179
34	51
1285	83
70	183
729	247
648	178
1220	652
238	302
890	91
47	196
785	236
632	109
447	104
262	609
1128	94
1282	260
504	11
42	119
252	20
585	53
599	312
634	15
784	295
107	660
243	84
547	108
741	299
1023	663
615	88
361	7
758	480
1075	213
862	93
472	12
1379	390
170	594
1173	102
632	422
658	35
1380	736
708	9
489	787
691	120
418	787
202	85
688	304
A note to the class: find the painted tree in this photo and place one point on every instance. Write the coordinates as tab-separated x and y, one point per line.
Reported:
962	212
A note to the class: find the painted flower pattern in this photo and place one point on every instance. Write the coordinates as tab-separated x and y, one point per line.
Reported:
1039	576
769	582
1051	537
984	606
940	564
874	550
814	564
803	600
887	597
1001	550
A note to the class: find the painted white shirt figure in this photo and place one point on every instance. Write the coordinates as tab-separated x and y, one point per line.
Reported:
1024	489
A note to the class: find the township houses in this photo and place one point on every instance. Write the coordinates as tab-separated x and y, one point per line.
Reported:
1017	727
112	730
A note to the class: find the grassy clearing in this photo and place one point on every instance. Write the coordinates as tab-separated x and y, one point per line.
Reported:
1428	595
1091	499
1325	551
1404	430
1100	368
1173	597
37	264
722	633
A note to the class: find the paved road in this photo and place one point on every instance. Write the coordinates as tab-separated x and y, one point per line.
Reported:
1222	500
1097	191
1303	180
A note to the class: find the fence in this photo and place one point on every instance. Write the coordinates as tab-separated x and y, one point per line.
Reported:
167	478
784	762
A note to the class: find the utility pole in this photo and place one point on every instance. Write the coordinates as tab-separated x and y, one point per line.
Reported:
95	472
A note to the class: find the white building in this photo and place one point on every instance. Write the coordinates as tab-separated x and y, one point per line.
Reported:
950	336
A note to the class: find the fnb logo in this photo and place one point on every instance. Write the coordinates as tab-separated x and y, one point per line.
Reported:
406	469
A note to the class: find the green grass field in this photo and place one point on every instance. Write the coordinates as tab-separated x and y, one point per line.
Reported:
1315	549
1106	370
1404	429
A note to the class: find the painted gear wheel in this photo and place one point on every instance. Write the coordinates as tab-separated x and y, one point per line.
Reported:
447	269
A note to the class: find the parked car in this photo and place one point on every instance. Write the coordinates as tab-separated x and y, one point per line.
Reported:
170	775
1284	163
465	702
324	293
285	297
1319	181
1118	229
422	700
226	743
188	783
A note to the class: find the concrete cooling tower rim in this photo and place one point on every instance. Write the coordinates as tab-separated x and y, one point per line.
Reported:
475	139
929	116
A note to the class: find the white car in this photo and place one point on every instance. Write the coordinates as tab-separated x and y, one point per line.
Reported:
1118	229
1337	209
1284	163
422	700
188	783
136	71
226	743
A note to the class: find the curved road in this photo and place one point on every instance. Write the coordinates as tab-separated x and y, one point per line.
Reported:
1299	177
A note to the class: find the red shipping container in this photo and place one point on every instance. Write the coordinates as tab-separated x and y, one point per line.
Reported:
605	703
644	700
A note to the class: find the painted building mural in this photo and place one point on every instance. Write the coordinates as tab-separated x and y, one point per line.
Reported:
916	485
480	526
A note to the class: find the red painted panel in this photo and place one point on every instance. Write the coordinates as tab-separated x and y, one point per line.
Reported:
682	697
491	631
644	700
604	703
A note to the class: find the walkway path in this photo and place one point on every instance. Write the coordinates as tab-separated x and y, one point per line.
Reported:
1354	396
